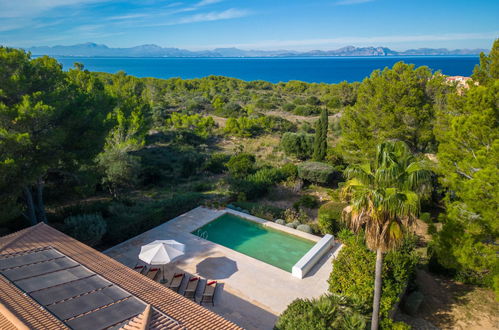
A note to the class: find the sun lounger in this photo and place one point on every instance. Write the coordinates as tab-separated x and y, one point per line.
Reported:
152	273
209	292
176	282
192	286
139	268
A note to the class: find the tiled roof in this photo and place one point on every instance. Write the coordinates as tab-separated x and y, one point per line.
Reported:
166	303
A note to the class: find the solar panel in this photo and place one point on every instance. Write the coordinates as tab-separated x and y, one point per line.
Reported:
25	259
41	268
82	304
52	279
76	295
69	290
108	316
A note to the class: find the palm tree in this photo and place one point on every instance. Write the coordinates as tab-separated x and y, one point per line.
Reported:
384	200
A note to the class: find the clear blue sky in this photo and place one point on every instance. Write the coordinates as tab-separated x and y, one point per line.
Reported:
251	24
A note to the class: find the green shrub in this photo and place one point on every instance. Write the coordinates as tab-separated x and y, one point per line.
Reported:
326	312
257	184
426	217
280	222
87	228
127	221
289	171
293	215
216	163
353	275
329	217
263	211
197	124
304	228
240	165
291	225
299	145
307	110
309	201
317	172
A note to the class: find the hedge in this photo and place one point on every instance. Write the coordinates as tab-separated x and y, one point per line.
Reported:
317	172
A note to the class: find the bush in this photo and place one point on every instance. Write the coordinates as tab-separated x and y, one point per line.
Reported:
326	312
317	172
353	275
87	228
241	165
304	228
307	110
329	217
309	201
127	221
289	171
299	145
290	225
280	222
216	163
292	215
263	211
257	184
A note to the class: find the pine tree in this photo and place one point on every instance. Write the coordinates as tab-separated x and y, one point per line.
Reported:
320	141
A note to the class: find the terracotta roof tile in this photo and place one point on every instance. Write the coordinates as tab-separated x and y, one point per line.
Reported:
163	300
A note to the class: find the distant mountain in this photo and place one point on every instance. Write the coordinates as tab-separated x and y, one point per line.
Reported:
90	49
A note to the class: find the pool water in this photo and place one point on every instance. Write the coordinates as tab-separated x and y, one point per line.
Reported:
272	246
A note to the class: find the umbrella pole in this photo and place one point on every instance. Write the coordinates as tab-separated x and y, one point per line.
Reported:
163	273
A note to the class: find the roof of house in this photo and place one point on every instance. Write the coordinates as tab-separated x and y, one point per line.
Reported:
41	259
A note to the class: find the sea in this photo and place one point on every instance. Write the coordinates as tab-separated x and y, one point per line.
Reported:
279	69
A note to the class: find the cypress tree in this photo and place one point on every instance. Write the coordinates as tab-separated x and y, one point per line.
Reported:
320	141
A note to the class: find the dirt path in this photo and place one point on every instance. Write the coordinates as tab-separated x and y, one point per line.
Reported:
452	305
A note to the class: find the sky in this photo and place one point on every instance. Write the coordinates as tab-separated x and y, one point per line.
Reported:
251	24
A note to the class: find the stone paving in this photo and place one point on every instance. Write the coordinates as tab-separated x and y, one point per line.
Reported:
251	293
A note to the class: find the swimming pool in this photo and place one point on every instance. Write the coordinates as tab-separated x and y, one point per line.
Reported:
272	246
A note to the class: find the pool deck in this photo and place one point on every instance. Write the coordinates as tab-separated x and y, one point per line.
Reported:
252	293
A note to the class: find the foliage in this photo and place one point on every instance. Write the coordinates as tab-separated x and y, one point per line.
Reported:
384	197
309	201
51	122
329	217
295	216
353	275
393	104
253	126
256	184
87	228
468	158
268	212
216	163
306	110
320	140
199	125
317	172
289	171
297	144
326	312
127	220
241	165
487	72
384	200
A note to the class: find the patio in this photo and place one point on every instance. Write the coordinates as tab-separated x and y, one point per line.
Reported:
252	293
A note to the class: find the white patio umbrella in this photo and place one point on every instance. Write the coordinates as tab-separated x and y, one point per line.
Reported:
161	252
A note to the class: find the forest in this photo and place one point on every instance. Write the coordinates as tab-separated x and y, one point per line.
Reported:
105	157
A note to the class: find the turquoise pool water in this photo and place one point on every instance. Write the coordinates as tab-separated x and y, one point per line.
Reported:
274	247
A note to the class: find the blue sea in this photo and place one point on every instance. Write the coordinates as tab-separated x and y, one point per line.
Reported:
308	69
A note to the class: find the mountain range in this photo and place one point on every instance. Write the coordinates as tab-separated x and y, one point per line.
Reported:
90	49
